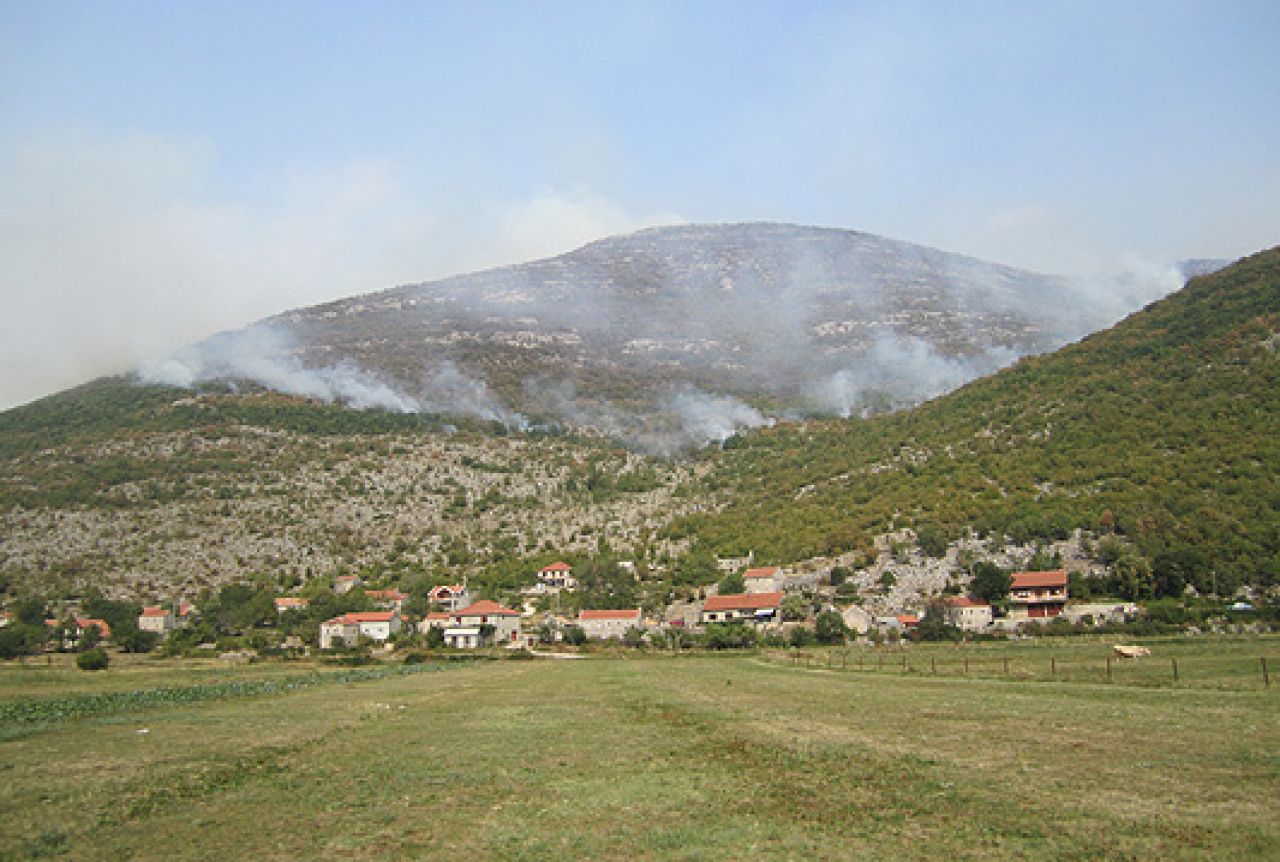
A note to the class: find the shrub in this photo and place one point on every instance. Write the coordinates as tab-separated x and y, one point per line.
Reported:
94	659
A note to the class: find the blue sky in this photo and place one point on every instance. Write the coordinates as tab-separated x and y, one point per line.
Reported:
168	169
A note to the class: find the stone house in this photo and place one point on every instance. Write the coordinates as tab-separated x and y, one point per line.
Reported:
291	603
451	597
505	624
603	624
769	579
346	630
753	608
157	619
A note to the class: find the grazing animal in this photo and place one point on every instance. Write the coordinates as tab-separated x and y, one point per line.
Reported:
1131	651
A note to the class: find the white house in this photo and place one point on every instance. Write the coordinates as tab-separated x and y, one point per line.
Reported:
345	583
451	597
604	624
463	637
504	621
291	603
558	576
969	614
756	608
347	629
765	580
157	619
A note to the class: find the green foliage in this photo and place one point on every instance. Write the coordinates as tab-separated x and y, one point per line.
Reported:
732	584
137	641
722	636
574	635
1161	430
20	639
93	659
935	626
830	628
990	582
795	607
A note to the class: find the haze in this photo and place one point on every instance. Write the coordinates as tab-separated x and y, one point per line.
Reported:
168	170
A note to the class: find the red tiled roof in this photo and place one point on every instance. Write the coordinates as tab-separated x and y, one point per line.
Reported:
743	602
362	617
1039	579
441	615
485	608
394	595
610	615
966	602
766	572
158	612
908	619
446	589
292	602
86	622
556	567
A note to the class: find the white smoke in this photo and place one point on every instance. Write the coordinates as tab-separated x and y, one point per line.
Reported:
900	370
264	355
448	390
705	417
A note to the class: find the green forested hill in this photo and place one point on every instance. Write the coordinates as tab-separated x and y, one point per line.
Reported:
1163	429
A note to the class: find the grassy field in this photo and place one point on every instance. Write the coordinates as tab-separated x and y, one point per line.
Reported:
731	757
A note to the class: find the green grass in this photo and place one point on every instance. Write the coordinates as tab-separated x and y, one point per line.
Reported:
659	758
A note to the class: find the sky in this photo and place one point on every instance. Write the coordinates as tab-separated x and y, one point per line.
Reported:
173	169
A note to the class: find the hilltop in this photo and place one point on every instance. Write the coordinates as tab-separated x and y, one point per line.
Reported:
671	336
1160	431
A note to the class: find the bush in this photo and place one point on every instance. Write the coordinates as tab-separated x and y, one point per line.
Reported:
94	659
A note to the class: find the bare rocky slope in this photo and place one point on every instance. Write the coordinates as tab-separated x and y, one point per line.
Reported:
671	336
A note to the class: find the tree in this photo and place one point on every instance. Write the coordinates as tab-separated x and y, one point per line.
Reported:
800	637
830	627
794	607
732	584
634	637
138	641
935	625
990	582
575	635
94	659
18	639
696	567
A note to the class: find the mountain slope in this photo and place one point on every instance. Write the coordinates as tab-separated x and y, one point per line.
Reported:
660	337
1162	429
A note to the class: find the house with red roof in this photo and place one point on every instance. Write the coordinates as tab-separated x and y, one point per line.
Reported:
768	579
603	624
157	619
388	600
347	629
557	576
482	623
753	608
969	614
1037	595
451	597
291	603
343	584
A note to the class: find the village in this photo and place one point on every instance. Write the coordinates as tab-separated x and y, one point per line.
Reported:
750	605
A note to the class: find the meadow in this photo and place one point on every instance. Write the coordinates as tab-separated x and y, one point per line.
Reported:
762	756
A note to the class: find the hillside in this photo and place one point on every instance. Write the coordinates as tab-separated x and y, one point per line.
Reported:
1161	430
673	336
153	491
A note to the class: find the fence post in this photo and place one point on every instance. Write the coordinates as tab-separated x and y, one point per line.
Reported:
966	665
933	665
1266	678
1053	667
1175	669
904	663
844	662
1108	668
880	664
1006	667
